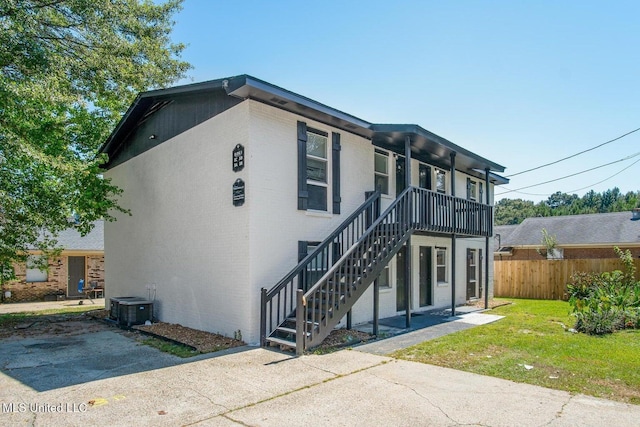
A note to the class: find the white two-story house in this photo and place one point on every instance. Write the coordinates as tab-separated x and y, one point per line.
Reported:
258	210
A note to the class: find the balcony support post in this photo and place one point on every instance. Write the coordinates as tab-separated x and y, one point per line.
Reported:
454	220
409	220
489	223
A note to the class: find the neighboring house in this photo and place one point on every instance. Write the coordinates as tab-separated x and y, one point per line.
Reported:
81	258
578	236
231	182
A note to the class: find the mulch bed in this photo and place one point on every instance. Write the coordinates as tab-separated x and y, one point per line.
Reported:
201	341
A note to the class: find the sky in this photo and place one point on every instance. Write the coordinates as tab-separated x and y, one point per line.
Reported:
519	83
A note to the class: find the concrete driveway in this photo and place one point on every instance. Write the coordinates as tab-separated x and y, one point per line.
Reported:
103	377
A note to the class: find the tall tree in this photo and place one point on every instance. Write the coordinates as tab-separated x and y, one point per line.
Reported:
68	71
513	211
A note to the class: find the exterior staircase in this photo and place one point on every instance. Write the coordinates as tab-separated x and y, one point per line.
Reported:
302	309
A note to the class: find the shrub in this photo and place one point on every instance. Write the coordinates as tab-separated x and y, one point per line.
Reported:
605	302
598	322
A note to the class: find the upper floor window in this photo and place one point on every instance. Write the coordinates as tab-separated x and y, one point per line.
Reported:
472	189
317	169
441	181
381	170
424	176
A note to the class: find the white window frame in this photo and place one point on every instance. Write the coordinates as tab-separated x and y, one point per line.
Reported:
386	270
34	274
474	264
377	173
325	160
439	172
473	190
445	266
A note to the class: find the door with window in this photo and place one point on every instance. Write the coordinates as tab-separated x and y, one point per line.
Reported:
400	175
472	274
426	277
76	270
401	275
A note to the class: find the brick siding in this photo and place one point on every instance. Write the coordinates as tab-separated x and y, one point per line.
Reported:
57	278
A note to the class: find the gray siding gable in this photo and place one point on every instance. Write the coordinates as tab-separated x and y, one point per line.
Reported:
160	118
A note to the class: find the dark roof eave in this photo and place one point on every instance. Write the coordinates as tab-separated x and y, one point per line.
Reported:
248	87
396	133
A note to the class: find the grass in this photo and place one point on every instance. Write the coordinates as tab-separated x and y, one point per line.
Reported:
171	348
532	333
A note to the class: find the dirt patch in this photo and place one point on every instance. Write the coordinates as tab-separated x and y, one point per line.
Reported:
492	303
47	325
203	342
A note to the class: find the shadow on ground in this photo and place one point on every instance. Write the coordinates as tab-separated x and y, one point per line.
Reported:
48	362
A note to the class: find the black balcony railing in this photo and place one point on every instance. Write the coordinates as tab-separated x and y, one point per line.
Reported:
308	303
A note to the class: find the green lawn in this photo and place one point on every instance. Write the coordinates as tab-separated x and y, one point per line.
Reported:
532	334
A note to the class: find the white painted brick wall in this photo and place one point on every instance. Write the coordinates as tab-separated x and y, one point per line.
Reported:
209	259
184	235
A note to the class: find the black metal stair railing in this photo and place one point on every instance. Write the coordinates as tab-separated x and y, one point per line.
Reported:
320	308
326	284
279	302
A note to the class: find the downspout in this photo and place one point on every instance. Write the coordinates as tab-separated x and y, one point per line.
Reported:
453	235
407	261
489	221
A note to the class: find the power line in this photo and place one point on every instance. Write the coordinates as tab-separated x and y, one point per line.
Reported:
573	174
578	189
573	155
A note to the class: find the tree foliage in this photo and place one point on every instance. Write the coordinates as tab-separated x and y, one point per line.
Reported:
68	71
514	211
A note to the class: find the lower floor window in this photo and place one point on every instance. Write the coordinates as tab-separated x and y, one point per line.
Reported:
441	265
383	279
36	272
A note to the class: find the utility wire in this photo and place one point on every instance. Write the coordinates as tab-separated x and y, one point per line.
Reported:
573	155
578	189
573	174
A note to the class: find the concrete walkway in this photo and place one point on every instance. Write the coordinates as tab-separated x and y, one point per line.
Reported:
261	387
22	307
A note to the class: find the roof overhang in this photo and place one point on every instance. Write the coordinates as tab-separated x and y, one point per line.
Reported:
434	149
425	145
248	87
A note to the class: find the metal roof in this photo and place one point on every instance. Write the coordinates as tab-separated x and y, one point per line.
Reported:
426	145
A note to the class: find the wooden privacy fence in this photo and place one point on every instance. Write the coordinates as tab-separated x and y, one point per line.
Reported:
545	279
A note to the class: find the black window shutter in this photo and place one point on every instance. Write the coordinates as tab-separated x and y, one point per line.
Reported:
302	249
303	194
468	188
335	165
